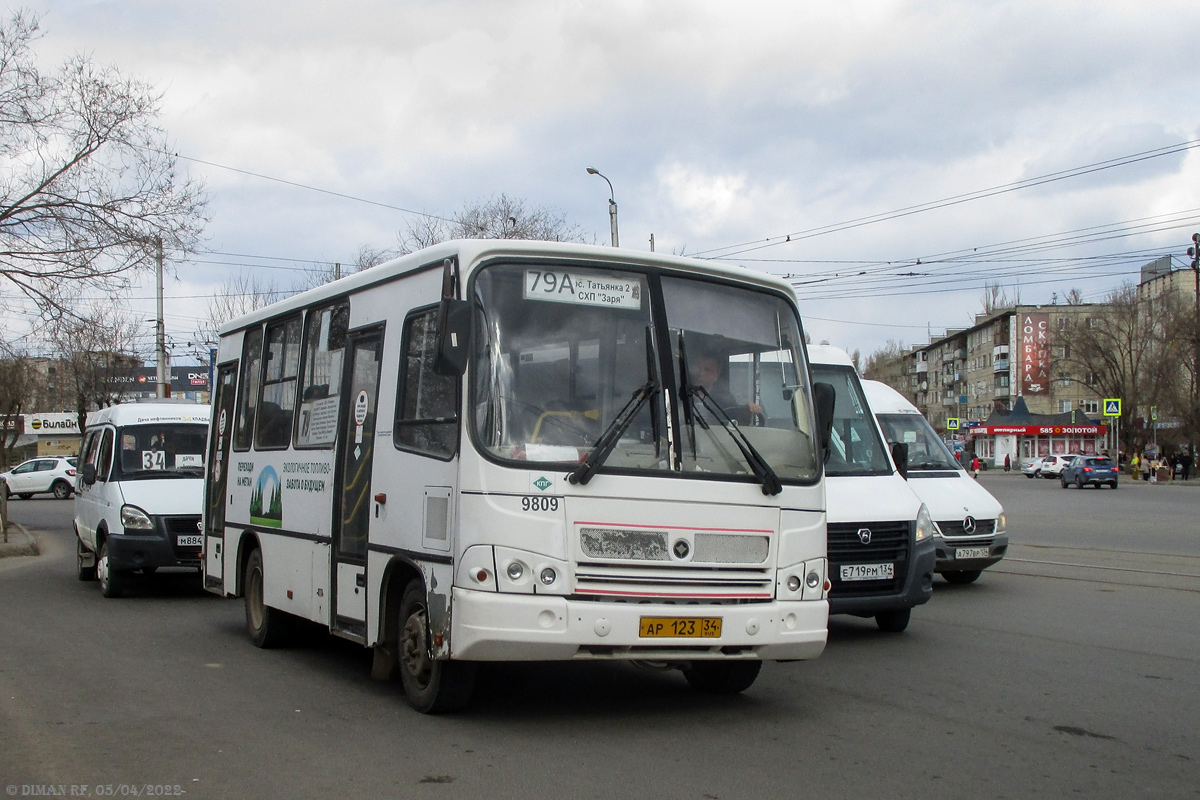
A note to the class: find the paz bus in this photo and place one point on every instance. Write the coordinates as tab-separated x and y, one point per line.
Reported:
517	451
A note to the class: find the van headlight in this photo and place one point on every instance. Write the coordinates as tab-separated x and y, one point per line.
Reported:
133	518
1001	523
924	524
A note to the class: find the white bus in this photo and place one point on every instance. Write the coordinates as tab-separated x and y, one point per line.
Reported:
509	450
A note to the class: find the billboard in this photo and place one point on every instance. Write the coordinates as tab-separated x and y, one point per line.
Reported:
1035	352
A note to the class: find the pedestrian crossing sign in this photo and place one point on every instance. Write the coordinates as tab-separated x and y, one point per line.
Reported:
1112	406
952	423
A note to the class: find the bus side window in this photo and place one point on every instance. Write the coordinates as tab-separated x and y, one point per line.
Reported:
427	407
247	398
106	456
278	406
321	376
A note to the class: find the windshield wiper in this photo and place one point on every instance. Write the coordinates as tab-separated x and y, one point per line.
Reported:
771	484
612	434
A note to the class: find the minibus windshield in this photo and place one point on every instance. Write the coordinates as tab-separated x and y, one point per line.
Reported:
161	450
855	448
926	451
700	377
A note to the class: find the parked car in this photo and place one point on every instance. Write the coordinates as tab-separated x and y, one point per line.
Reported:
1032	468
38	475
1052	466
1084	470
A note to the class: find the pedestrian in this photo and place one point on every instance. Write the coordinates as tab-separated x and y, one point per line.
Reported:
975	467
1134	464
1007	462
1185	463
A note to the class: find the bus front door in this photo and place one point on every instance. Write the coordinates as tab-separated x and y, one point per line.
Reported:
356	450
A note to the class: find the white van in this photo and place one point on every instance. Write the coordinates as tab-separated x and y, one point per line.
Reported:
880	533
971	532
140	491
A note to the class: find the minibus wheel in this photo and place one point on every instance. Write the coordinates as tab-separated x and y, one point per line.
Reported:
267	626
431	685
722	677
112	581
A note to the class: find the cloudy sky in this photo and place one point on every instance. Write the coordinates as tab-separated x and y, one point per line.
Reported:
813	140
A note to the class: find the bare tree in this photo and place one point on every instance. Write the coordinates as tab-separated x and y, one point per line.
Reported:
87	182
100	351
887	364
239	295
1074	297
996	299
1120	351
499	217
326	273
17	387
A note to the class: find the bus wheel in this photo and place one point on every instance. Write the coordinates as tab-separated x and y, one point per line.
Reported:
893	621
431	686
722	677
963	575
266	625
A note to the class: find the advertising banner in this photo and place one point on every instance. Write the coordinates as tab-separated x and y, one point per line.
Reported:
1035	353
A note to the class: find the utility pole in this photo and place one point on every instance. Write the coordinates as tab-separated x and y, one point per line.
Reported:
612	206
1194	252
160	329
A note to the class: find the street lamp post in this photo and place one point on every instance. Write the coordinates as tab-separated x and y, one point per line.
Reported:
612	205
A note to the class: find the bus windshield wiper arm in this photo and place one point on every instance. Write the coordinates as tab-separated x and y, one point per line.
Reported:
612	434
758	465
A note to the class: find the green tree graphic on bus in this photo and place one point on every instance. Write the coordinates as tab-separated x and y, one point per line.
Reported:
267	486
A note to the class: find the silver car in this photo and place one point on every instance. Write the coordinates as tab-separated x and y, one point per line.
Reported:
54	474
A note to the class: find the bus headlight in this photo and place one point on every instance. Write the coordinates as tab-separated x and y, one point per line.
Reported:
548	576
1001	523
515	570
133	518
924	524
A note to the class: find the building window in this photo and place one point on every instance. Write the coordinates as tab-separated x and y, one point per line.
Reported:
1064	379
1064	406
1091	406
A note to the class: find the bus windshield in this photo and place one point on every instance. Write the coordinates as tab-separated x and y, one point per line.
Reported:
695	377
926	451
855	448
161	450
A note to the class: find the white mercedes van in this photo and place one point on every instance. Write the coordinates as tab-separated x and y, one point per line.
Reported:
970	529
880	534
139	491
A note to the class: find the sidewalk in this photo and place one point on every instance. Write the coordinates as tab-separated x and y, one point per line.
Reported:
20	542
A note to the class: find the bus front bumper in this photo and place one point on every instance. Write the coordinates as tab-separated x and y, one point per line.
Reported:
490	626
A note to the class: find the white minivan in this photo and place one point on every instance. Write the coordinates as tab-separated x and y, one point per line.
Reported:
880	534
971	531
139	492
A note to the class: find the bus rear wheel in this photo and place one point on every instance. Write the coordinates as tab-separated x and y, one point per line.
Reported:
267	626
432	686
722	677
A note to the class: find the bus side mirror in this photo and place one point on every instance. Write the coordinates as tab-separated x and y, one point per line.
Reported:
824	396
453	325
88	473
900	456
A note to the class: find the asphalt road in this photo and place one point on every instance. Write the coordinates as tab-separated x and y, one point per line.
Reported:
1039	680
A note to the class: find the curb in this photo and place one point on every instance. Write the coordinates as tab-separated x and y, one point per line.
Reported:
20	542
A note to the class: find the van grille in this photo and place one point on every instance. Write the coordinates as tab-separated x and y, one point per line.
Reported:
183	526
983	527
889	544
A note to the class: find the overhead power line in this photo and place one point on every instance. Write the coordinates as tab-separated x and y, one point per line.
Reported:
774	241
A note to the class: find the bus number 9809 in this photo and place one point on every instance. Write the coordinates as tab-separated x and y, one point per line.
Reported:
539	503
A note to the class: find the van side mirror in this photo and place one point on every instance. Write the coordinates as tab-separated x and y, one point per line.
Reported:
824	396
88	473
900	456
453	325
